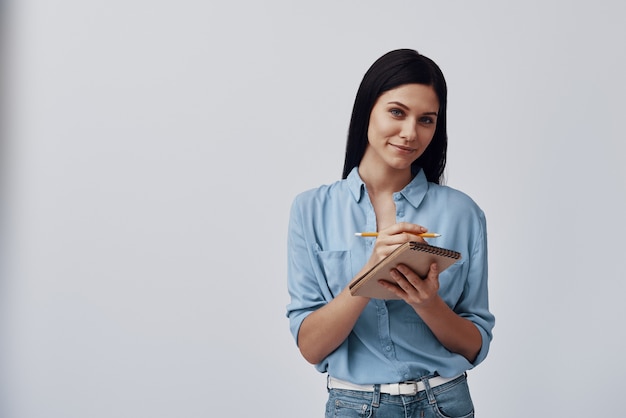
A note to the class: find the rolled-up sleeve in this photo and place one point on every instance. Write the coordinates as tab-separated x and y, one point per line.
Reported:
304	289
474	304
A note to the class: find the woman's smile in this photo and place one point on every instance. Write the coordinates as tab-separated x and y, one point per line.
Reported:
404	149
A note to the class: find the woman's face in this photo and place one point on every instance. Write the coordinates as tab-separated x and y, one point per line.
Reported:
402	124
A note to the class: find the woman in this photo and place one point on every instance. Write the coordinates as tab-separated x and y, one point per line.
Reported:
404	357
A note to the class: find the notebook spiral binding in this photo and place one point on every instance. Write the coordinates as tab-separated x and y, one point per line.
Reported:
418	246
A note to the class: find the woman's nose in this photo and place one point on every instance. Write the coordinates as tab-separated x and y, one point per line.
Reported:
409	130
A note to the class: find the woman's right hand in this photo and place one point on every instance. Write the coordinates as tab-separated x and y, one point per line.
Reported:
390	238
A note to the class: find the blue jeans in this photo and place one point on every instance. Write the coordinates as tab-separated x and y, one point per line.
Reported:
450	400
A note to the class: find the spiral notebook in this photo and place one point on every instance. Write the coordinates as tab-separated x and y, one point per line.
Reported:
417	255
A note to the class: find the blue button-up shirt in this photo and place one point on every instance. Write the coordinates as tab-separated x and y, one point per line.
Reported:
389	342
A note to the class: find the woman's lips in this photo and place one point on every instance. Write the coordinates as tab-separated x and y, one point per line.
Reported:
403	149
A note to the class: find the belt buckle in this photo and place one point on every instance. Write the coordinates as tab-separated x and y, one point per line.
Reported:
408	388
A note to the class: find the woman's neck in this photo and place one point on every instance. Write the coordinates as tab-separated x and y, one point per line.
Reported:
381	181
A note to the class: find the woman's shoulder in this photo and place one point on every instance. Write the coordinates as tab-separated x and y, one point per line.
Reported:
322	192
454	196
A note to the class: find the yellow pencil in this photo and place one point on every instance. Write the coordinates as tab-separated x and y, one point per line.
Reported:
375	234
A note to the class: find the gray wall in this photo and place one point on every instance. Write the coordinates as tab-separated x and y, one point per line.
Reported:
151	143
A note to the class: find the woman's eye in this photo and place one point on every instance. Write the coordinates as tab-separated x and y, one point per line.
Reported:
396	112
426	120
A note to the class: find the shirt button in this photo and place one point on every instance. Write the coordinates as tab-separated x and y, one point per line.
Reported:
388	348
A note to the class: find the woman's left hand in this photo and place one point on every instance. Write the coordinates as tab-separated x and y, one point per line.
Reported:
414	290
456	333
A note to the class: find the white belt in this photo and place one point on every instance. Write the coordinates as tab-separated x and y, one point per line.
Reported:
404	388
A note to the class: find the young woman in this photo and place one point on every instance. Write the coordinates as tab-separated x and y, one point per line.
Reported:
391	358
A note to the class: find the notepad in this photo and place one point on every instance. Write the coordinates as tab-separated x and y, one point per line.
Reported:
418	256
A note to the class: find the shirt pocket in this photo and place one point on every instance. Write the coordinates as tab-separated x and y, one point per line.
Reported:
336	269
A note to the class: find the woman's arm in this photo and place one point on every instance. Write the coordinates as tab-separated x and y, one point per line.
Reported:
457	334
326	328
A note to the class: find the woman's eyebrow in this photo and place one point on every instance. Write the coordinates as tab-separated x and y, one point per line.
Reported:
398	104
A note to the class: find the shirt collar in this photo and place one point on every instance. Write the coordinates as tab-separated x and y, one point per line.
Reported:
355	184
414	192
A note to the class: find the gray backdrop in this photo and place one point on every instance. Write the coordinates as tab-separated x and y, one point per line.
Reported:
155	148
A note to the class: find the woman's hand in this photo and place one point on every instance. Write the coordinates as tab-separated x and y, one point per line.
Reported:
417	291
457	334
390	238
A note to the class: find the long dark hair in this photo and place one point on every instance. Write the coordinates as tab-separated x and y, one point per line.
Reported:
395	68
